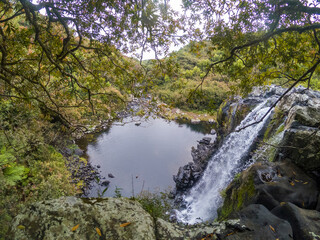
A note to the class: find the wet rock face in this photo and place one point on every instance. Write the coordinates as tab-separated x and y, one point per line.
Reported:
189	174
270	184
301	139
231	113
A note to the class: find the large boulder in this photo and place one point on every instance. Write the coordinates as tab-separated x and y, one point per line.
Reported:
301	139
270	184
263	225
75	218
107	218
305	223
301	145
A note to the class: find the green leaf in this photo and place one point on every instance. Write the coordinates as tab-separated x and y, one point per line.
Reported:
15	174
6	157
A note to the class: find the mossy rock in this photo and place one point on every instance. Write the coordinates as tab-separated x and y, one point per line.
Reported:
274	126
106	218
237	195
269	184
302	147
75	218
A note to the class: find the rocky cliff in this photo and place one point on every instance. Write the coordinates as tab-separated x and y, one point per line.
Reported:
285	175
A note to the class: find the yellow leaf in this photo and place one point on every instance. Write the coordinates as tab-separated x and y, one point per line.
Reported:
125	224
272	228
75	228
282	203
294	173
292	183
98	231
21	227
296	180
305	183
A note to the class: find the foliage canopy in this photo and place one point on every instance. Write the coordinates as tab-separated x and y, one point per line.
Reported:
262	41
71	55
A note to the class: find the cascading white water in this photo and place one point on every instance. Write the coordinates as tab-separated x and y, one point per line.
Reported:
204	198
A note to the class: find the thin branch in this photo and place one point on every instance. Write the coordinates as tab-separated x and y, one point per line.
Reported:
310	71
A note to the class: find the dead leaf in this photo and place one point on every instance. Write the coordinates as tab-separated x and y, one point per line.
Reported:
282	203
294	173
292	183
125	224
296	180
75	228
272	228
209	236
230	234
98	231
305	183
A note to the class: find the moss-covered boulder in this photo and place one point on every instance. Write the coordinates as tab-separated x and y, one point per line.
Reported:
269	184
106	218
75	218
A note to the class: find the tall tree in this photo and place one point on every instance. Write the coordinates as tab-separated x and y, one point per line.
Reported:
262	40
60	55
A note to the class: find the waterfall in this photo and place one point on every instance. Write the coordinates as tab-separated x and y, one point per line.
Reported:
204	198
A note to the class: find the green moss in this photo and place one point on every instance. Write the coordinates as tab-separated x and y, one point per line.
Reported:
280	129
273	126
238	194
245	192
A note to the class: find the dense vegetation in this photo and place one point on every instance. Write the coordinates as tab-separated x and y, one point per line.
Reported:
177	86
65	70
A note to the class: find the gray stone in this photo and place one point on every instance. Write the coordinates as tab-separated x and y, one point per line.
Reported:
107	218
213	132
110	175
78	152
305	223
105	183
301	146
263	224
195	121
214	230
75	218
211	121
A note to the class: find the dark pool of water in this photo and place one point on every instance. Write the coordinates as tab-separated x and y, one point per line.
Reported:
143	157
